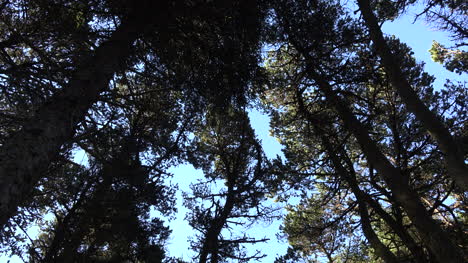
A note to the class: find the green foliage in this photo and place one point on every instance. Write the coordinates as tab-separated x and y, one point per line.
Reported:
453	60
182	96
234	191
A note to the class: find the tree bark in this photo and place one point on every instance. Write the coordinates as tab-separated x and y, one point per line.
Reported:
363	198
431	232
25	156
414	248
210	244
380	249
454	155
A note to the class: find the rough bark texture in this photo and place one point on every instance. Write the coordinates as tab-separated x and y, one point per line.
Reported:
431	232
26	155
453	154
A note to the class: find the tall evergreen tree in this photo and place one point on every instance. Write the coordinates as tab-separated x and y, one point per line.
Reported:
454	155
229	153
155	40
325	68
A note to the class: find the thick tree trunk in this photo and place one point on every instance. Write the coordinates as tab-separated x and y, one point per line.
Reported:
454	156
431	232
26	155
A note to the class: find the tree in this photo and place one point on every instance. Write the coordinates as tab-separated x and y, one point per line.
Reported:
436	128
141	41
141	87
314	70
228	152
108	220
27	152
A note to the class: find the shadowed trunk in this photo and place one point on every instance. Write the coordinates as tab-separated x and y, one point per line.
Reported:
62	228
431	232
210	244
454	156
414	248
363	198
380	249
27	154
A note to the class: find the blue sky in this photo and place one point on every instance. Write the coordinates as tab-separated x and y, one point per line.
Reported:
418	36
186	174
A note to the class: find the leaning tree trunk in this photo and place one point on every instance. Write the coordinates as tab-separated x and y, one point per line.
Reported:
454	156
63	227
380	249
211	243
397	227
26	155
362	197
431	232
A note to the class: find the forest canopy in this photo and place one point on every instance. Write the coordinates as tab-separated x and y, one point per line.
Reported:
374	160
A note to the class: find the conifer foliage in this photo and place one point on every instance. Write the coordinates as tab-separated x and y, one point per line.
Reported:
99	99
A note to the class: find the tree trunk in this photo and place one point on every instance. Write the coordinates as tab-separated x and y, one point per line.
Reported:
211	242
363	198
454	156
414	248
431	232
26	155
63	226
380	249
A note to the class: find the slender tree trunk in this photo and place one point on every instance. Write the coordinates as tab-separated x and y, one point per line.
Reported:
26	155
350	178
363	198
431	232
62	228
454	156
66	246
414	248
381	250
210	244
